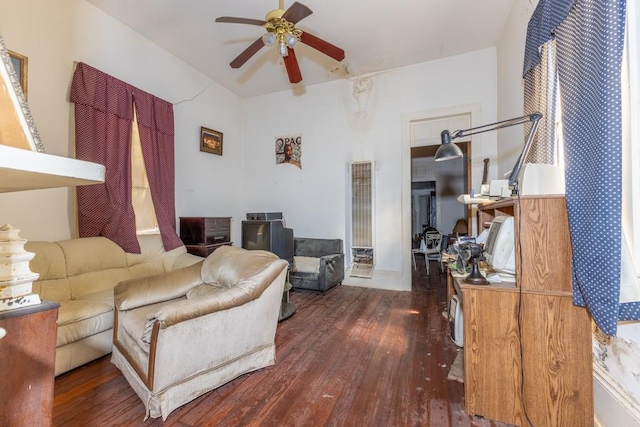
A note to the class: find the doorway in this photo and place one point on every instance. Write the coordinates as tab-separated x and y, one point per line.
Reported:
421	138
424	207
435	187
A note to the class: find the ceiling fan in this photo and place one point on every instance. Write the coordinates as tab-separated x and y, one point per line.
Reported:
281	30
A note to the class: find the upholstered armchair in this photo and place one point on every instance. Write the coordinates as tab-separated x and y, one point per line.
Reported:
318	264
181	334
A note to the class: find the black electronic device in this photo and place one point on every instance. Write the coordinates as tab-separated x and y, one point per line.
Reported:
269	236
475	255
264	216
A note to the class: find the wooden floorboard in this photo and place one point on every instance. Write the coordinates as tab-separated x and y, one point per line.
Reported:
352	357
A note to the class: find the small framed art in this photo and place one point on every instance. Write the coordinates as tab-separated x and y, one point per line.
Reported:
19	63
210	141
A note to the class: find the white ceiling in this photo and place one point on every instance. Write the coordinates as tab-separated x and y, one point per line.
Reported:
375	35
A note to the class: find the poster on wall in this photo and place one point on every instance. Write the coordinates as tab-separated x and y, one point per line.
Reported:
289	150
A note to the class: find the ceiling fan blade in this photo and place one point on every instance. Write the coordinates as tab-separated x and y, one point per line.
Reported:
247	53
293	70
233	20
296	12
323	46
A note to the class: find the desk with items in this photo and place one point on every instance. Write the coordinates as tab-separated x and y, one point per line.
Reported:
527	348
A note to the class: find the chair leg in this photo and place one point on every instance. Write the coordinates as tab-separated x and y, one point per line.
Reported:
426	264
413	254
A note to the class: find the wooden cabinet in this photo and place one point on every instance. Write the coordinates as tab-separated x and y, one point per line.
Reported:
203	235
27	362
529	330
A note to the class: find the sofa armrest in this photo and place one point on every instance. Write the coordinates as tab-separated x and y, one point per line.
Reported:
133	293
220	298
331	269
185	260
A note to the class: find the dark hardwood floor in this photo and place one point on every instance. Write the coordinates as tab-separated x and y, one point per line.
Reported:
353	357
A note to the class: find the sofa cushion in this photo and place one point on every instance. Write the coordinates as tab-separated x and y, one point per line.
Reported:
101	280
79	319
306	264
105	296
151	248
75	310
229	265
90	254
53	290
48	261
152	253
150	268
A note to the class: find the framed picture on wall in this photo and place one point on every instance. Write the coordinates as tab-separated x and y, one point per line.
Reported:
19	63
21	124
210	141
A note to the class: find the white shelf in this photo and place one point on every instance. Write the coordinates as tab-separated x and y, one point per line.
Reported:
31	170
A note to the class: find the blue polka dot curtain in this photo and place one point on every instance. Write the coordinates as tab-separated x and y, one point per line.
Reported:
589	36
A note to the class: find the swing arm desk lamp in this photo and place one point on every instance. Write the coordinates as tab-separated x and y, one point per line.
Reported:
449	150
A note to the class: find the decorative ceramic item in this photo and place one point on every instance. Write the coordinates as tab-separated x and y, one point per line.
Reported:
16	278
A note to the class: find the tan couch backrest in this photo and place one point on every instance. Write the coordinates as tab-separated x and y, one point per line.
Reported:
92	254
74	268
48	262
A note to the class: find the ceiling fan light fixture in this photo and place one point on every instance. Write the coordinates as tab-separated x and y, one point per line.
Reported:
290	39
283	49
268	39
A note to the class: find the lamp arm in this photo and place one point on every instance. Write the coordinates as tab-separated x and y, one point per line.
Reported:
534	117
513	178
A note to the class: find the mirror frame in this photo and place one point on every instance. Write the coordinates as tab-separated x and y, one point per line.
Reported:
12	84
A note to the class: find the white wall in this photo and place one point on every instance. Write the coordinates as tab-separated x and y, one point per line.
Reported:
315	199
55	34
511	85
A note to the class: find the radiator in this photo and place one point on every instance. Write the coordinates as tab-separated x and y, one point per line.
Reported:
362	207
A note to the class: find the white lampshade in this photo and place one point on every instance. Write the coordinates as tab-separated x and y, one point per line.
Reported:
290	40
283	49
268	39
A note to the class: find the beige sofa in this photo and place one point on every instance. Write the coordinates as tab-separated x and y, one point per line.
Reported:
80	274
186	332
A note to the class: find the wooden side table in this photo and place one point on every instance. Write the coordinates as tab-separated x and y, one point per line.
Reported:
205	250
203	235
27	365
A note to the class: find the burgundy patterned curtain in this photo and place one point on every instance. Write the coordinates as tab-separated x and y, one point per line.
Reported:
103	120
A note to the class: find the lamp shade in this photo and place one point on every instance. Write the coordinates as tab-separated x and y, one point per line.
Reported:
447	151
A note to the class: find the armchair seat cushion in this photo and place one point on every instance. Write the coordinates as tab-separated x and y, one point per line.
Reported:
306	264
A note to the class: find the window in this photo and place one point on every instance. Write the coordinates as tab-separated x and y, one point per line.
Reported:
146	222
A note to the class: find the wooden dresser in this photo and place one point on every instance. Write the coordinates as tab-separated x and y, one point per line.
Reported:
529	330
27	362
203	235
